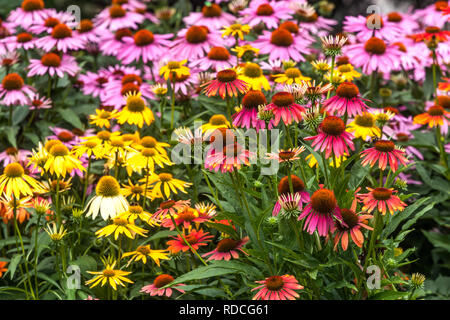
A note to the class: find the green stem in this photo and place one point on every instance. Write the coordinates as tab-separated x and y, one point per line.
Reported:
331	74
86	182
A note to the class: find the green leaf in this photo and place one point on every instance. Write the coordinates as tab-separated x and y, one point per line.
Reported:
86	263
71	117
224	228
389	295
439	240
203	273
13	264
11	135
19	114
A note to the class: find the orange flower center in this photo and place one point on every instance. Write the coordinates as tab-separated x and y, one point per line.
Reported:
218	120
131	78
274	283
401	46
253	99
394	17
443	101
143	38
342	60
219	53
432	29
286	155
51	60
188	214
125	32
283	99
108	273
297	185
104	135
32	5
162	280
148	142
14	170
226	75
265	10
116	11
375	46
347	90
281	38
167	204
350	218
365	120
332	125
129	88
403	137
65	136
323	201
61	31
143	250
382	194
384	145
197	34
290	26
392	109
375	18
11	151
211	11
86	25
51	22
24	37
436	111
12	81
226	245
441	5
191	239
165	177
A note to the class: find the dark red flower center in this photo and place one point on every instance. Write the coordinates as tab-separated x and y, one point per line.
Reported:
253	99
61	31
265	10
281	38
116	11
297	185
443	101
12	81
402	137
32	5
283	99
51	60
323	201
24	37
342	60
162	280
143	37
197	34
218	53
187	214
274	283
131	78
384	145
394	17
441	5
290	26
332	125
286	155
191	239
375	46
78	132
129	88
11	151
382	194
350	218
227	75
65	136
86	25
432	29
347	90
212	10
125	32
436	111
226	245
392	109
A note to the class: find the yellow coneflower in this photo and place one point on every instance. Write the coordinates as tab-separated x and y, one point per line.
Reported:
166	183
134	138
135	111
159	89
136	211
147	158
142	252
109	275
347	72
61	162
217	121
252	74
15	182
290	76
108	199
364	126
321	66
241	50
103	137
121	225
89	148
55	234
236	30
102	118
150	142
177	67
134	191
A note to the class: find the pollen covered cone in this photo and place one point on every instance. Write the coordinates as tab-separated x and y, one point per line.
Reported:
108	201
14	182
61	161
135	111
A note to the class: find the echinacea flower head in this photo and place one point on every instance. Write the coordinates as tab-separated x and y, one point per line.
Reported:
61	161
364	126
134	191
157	288
288	155
383	200
196	239
109	275
277	288
226	84
194	41
14	208
135	111
61	38
170	207
211	15
290	76
108	200
351	226
177	67
55	234
332	45
121	225
384	152
231	157
30	12
3	267
314	92
102	118
435	116
236	30
346	101
284	108
247	117
14	91
164	184
15	182
432	33
186	217
252	74
143	252
321	212
269	13
216	121
290	205
52	64
332	138
347	72
227	248
321	66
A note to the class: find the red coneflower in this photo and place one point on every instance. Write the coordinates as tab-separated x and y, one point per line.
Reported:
332	137
431	33
277	288
185	217
195	238
227	248
284	107
347	100
156	288
382	199
320	212
247	117
226	84
298	187
385	152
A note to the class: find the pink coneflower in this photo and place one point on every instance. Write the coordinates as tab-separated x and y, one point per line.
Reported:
373	55
39	102
382	199
87	32
284	108
227	248
332	138
372	26
112	42
185	84
194	42
404	20
29	13
412	55
68	138
346	101
281	44
54	18
61	38
117	89
185	217
352	224
288	155
13	90
277	288
196	238
247	117
94	84
156	288
321	212
170	207
11	155
115	17
231	157
9	59
226	84
298	189
211	16
53	65
23	40
310	20
432	15
218	58
385	152
269	13
144	46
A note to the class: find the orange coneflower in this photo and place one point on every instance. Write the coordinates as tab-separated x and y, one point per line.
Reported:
382	199
435	116
431	32
194	238
3	267
385	152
